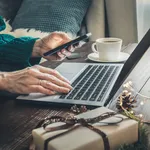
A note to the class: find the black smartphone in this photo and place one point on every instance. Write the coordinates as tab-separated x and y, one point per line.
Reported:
74	43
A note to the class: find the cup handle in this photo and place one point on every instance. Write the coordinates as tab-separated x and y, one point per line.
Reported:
93	48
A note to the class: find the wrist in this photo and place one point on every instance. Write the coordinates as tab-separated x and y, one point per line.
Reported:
3	79
37	48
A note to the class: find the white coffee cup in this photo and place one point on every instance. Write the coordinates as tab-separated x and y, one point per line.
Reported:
108	49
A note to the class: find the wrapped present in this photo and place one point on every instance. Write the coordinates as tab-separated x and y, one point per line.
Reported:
98	129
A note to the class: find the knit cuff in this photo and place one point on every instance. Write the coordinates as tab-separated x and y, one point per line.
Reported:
19	50
2	24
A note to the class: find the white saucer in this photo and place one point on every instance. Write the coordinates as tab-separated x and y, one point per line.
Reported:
122	57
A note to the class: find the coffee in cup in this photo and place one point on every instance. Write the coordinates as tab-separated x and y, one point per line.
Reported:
108	49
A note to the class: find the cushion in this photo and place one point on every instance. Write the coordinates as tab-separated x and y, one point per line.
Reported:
9	8
52	15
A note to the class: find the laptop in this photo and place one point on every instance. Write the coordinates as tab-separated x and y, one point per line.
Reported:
94	84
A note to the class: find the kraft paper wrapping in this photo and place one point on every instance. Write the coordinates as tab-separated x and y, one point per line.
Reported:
86	139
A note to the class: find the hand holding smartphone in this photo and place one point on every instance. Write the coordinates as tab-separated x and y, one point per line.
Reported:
73	43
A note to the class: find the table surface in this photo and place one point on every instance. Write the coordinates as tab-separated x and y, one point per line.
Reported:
18	119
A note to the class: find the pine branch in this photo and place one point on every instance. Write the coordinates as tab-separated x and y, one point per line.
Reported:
125	104
141	144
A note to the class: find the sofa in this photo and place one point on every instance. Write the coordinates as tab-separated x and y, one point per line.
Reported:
115	18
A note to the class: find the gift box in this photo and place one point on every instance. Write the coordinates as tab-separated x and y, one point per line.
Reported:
106	130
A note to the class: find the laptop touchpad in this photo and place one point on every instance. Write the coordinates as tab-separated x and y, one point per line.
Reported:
69	70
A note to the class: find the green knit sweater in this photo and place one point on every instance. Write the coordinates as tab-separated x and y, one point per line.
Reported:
15	53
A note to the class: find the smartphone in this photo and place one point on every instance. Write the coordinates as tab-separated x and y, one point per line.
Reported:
74	42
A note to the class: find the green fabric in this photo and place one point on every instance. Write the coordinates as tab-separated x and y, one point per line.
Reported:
2	24
15	53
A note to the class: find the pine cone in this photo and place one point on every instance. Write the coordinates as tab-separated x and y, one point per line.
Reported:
125	101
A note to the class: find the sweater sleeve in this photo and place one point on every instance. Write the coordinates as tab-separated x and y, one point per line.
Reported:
17	51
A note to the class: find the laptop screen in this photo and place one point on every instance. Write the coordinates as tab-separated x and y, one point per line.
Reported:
134	58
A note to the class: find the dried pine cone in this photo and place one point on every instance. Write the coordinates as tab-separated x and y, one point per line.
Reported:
125	101
78	110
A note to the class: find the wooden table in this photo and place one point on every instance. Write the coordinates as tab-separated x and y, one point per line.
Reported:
17	119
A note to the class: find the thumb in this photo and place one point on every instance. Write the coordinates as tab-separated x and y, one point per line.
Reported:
56	41
53	41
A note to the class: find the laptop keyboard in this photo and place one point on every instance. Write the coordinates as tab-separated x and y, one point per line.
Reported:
92	83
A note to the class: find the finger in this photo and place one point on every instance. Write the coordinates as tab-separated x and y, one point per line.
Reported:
40	89
66	53
31	73
61	55
55	80
71	49
52	72
59	76
53	57
54	87
60	38
58	56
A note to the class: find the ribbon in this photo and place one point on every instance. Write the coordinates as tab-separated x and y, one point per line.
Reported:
72	123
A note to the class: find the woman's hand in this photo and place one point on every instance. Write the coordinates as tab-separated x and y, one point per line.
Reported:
36	79
50	42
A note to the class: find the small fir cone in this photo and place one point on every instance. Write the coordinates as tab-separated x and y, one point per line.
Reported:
126	101
78	110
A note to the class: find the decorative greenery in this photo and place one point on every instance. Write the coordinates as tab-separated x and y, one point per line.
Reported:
124	104
141	144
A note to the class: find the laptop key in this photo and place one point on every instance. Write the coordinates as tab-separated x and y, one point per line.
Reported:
93	97
63	96
85	97
70	96
79	95
99	98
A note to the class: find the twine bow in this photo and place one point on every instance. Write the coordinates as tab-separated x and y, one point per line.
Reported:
71	123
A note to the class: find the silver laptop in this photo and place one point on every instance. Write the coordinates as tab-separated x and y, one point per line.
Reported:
94	84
